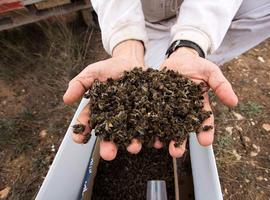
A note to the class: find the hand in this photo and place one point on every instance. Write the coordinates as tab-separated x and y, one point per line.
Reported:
187	62
126	56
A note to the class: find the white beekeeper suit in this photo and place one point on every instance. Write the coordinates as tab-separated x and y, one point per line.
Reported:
223	29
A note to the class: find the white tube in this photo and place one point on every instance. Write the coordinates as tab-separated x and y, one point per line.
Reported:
65	177
204	171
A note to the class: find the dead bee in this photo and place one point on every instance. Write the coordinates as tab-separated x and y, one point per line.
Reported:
78	128
207	127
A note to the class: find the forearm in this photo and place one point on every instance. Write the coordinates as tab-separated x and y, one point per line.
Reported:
120	21
184	51
205	22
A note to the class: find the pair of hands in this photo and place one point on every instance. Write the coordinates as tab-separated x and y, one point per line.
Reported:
130	54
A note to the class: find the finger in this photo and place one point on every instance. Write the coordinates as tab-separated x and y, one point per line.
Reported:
177	152
206	138
77	87
108	150
78	138
135	146
221	86
158	144
83	118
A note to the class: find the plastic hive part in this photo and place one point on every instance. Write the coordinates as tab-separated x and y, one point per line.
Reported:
156	190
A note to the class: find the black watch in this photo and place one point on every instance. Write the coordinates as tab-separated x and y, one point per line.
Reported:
184	43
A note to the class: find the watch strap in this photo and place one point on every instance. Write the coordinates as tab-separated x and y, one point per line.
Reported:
184	43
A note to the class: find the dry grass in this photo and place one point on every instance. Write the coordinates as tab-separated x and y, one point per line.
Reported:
47	44
36	63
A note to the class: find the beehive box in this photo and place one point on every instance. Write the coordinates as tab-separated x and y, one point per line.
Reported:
178	170
74	164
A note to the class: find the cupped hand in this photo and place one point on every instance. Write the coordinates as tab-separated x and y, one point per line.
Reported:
187	62
126	56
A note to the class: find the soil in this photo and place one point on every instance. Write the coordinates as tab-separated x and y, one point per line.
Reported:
33	79
33	119
146	105
242	142
126	177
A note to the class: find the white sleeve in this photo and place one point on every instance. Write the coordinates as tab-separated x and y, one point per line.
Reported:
205	22
119	21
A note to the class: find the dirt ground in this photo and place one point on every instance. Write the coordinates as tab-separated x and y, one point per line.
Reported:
36	63
243	133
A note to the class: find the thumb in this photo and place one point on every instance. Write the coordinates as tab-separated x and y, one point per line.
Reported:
76	88
221	86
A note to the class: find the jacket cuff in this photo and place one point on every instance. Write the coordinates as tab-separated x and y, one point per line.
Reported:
192	34
126	32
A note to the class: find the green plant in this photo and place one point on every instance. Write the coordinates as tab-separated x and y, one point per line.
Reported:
251	108
224	142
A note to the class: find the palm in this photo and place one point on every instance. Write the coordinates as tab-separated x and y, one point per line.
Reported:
202	70
113	67
110	68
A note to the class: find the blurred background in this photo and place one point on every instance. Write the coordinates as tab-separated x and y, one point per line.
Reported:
37	61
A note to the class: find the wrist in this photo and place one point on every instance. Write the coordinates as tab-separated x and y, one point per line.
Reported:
133	50
184	43
184	51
